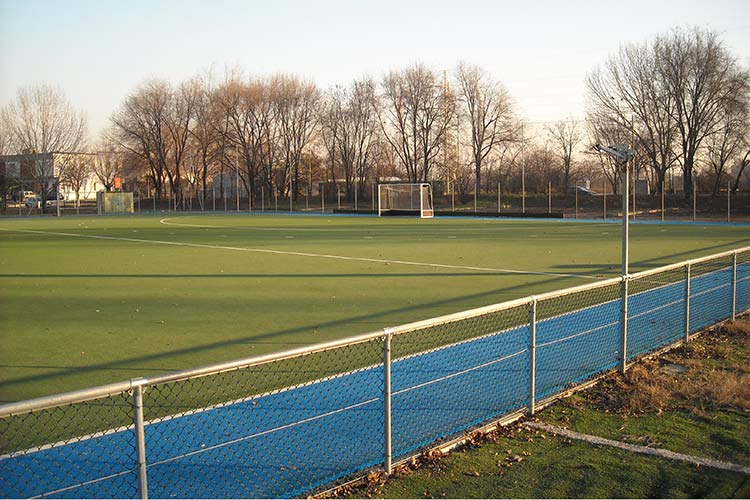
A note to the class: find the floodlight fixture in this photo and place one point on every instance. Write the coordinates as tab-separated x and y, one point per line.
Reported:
619	151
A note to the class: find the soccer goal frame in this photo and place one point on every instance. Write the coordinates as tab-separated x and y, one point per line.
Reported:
405	199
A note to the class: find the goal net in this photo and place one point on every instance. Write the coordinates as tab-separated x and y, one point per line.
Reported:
405	199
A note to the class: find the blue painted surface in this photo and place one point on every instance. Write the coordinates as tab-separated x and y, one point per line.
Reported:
286	443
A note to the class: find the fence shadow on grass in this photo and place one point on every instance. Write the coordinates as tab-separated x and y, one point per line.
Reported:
127	364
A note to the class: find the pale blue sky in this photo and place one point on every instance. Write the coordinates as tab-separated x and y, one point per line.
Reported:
99	51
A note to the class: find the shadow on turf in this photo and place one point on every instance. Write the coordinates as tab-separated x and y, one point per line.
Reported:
61	371
272	276
663	260
126	365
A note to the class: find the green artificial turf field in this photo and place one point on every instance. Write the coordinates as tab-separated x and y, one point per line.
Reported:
90	300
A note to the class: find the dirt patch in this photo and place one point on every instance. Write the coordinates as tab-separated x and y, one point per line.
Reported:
708	372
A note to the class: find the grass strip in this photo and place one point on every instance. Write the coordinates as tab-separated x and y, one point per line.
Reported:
518	462
645	450
693	400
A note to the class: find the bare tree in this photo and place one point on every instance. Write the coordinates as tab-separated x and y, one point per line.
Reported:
249	129
565	137
140	126
703	79
633	106
329	118
727	143
182	103
4	138
296	108
9	183
205	136
42	121
365	136
742	165
600	130
489	113
415	115
235	127
78	171
107	163
540	167
354	130
506	159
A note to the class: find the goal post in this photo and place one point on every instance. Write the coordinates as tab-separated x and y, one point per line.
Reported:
114	203
405	199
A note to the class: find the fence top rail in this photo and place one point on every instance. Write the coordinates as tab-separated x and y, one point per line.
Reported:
678	265
61	399
98	392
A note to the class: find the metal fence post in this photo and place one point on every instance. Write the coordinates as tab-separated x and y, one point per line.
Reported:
687	302
532	354
387	465
624	323
140	437
734	285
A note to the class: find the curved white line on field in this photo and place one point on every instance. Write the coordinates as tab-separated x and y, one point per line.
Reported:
209	226
304	254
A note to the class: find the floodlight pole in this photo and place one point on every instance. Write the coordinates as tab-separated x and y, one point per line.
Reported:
625	218
625	258
695	198
622	155
729	204
57	196
549	197
662	199
523	173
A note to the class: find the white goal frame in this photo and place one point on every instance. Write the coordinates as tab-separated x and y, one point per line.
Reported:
406	199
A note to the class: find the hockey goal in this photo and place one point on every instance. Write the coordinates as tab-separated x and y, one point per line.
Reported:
405	199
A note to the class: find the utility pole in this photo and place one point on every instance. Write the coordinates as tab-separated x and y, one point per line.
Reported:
523	173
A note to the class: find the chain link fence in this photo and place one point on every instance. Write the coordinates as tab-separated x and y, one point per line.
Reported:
284	425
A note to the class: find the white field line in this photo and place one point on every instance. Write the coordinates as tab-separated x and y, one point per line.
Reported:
220	445
580	334
427	383
304	254
67	442
53	493
266	432
483	227
663	306
704	292
658	452
167	222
